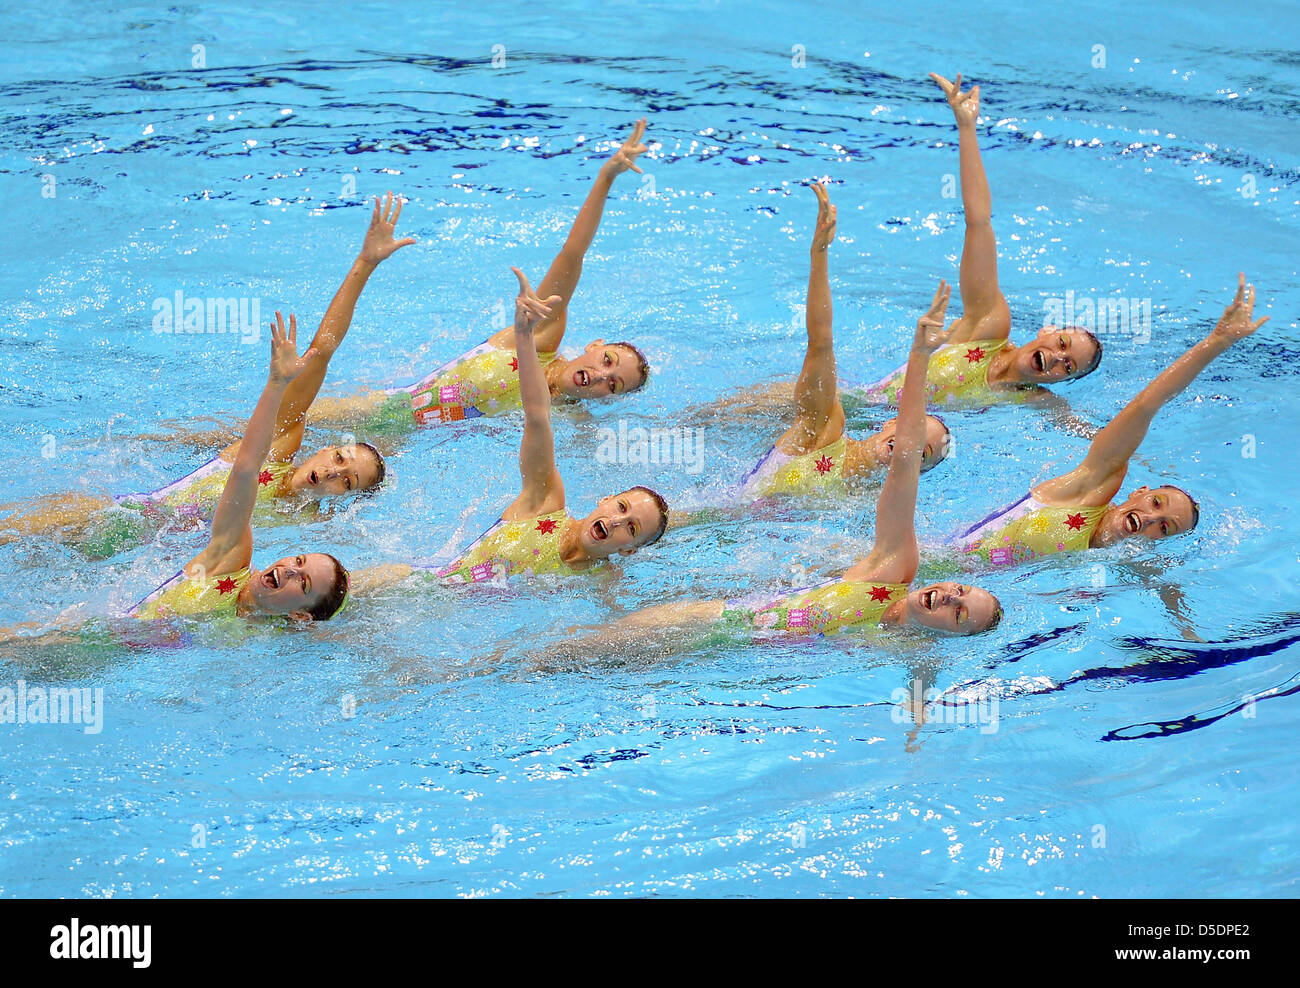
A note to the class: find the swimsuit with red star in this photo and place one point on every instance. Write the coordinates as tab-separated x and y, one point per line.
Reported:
525	547
1029	529
779	474
958	374
482	381
196	495
187	596
823	609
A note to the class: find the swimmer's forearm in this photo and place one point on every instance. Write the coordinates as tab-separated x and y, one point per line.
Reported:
338	317
817	315
1170	383
896	509
533	390
254	447
1182	372
585	226
1114	445
976	201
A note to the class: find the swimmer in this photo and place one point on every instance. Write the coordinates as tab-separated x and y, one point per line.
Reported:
1074	512
979	365
814	454
875	592
101	526
535	534
485	381
220	580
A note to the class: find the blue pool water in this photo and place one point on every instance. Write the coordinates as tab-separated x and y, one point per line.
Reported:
229	768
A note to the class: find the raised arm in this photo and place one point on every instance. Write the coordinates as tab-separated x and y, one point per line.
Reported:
816	393
378	246
894	557
1104	467
985	314
566	269
541	491
231	543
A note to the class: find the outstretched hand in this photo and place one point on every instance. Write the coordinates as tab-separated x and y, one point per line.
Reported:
529	309
929	328
965	106
824	234
1236	324
285	362
625	157
379	243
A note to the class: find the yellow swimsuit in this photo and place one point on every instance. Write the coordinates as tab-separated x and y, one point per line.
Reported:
958	374
822	609
483	381
512	548
1029	529
779	474
184	596
197	494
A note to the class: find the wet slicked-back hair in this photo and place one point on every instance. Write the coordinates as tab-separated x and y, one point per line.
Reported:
328	605
662	505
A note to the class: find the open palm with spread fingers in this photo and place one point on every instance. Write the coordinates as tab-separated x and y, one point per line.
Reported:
625	157
1236	324
379	243
529	309
285	362
965	106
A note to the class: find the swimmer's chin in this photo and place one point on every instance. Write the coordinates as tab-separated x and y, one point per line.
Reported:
306	484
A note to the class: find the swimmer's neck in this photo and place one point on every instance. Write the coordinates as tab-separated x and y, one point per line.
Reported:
572	554
244	605
1003	369
553	371
895	613
1104	535
863	458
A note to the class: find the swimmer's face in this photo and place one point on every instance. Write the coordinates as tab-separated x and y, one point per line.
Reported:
293	585
603	370
953	607
1149	514
1056	354
621	523
936	442
336	470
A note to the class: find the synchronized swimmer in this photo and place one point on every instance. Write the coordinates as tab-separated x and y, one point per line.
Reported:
519	369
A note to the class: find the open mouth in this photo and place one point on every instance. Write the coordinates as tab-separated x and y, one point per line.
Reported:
1040	364
581	378
314	477
928	598
1132	523
271	578
598	531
